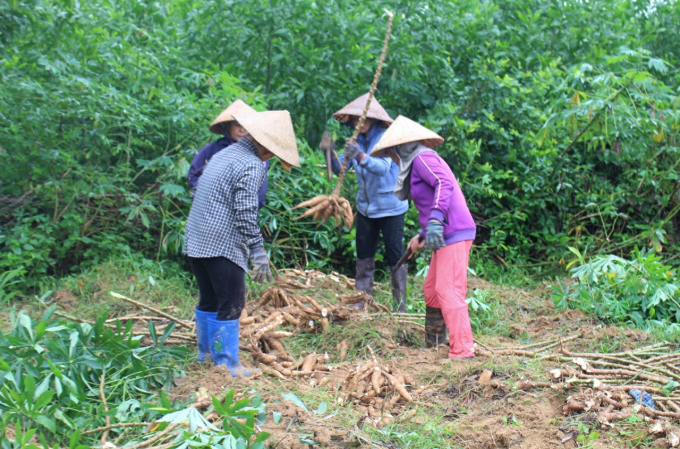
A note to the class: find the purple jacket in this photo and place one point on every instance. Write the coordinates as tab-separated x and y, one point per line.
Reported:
437	195
206	153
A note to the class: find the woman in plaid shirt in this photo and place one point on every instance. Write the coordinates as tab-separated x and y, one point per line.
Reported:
222	231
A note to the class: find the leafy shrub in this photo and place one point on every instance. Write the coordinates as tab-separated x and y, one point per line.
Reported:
239	419
560	120
50	373
641	291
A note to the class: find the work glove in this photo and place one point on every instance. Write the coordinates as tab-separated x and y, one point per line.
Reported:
260	272
434	239
354	151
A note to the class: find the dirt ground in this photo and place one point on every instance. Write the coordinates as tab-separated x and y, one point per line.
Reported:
456	411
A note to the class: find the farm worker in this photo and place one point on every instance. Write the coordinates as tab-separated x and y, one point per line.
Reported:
448	230
231	131
222	231
378	209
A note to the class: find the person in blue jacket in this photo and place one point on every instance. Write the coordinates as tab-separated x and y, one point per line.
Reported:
232	132
378	209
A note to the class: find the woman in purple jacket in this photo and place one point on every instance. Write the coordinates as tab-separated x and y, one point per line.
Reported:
231	131
448	230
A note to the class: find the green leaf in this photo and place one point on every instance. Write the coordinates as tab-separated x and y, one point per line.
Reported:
73	441
47	422
261	437
152	331
74	337
295	400
323	407
168	330
669	387
43	399
658	65
219	408
25	322
277	417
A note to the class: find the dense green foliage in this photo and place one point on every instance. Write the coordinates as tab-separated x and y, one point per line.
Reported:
642	291
560	118
51	373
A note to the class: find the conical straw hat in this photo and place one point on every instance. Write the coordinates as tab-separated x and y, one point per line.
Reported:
274	131
405	130
237	107
356	108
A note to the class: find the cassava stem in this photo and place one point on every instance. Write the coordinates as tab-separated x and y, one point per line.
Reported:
360	123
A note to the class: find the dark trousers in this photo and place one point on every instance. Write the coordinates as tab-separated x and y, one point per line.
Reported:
368	232
222	285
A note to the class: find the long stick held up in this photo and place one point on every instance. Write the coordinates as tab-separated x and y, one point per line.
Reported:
371	93
323	207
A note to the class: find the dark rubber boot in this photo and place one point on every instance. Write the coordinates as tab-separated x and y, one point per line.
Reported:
399	282
435	328
224	348
202	335
364	279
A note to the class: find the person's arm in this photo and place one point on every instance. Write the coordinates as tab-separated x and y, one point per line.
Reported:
262	194
432	172
336	164
199	162
195	171
245	204
376	165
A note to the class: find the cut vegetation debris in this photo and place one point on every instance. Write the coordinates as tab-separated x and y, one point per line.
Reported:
541	375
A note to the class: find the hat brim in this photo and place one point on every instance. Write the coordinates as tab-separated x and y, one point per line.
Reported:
227	116
274	131
405	130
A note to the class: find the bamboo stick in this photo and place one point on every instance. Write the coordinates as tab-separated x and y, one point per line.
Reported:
105	435
153	309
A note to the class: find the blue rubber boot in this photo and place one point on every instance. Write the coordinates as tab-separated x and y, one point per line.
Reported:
224	345
202	335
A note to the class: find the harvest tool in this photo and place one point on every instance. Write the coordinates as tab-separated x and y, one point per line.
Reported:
327	145
324	207
406	256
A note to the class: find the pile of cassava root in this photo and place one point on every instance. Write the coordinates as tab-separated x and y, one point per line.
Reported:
379	391
280	311
283	305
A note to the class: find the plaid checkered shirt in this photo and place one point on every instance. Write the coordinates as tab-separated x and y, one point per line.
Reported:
223	217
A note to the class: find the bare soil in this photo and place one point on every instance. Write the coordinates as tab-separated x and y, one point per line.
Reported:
468	414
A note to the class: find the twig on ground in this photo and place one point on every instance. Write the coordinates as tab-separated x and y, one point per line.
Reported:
105	435
153	309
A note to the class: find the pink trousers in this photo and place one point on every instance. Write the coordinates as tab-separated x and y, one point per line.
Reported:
446	288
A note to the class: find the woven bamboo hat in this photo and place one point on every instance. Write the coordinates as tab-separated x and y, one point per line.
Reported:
274	131
237	107
356	108
405	130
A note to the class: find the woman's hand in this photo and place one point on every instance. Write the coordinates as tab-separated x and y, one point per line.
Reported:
416	244
354	151
260	272
435	236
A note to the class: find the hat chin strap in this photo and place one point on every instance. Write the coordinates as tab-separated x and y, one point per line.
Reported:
286	166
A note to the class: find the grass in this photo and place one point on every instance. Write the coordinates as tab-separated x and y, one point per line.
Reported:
160	284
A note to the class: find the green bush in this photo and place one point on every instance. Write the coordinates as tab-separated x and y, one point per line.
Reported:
641	291
560	120
51	371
